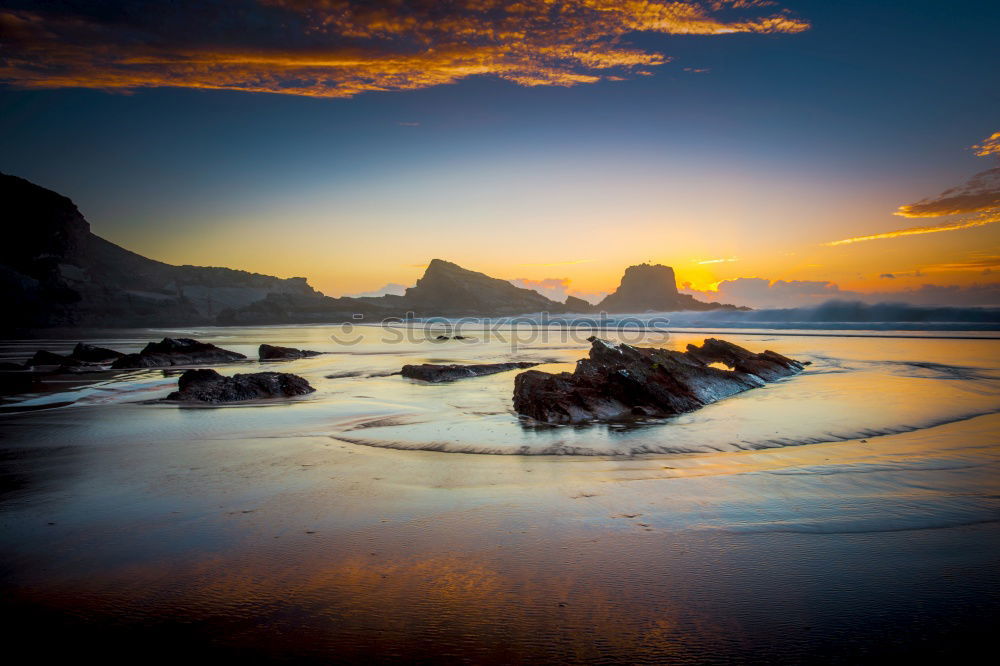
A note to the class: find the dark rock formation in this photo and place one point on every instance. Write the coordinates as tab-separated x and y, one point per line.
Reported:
209	386
579	306
430	372
85	358
55	272
652	288
281	308
445	289
46	361
47	358
92	354
275	353
177	351
449	289
767	365
618	382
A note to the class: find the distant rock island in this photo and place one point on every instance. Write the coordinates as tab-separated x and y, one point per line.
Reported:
648	287
54	272
448	289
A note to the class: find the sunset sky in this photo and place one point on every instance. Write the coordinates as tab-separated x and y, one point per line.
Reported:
551	143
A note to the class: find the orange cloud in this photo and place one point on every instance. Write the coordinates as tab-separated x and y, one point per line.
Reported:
990	146
340	48
981	193
718	261
980	221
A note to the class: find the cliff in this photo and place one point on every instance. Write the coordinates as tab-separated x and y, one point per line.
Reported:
648	287
55	272
449	289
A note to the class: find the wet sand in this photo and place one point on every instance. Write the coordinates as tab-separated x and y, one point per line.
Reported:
130	526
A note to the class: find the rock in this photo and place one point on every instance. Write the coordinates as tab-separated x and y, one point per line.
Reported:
282	308
579	306
54	271
442	337
619	382
447	289
767	365
653	288
47	361
46	358
92	354
206	385
176	351
430	372
275	353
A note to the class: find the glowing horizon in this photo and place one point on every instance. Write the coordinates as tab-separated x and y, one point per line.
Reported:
738	141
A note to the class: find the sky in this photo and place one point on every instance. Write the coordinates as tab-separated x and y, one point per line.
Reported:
771	152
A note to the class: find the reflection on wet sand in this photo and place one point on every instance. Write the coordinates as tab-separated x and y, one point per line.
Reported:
258	531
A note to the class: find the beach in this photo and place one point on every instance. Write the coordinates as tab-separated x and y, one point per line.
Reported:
847	514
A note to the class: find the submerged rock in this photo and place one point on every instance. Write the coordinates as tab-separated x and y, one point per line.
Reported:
92	354
207	385
430	372
177	351
275	353
47	358
619	382
46	361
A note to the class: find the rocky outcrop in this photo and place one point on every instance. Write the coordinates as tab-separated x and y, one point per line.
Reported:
275	353
653	288
83	355
306	309
93	354
619	382
579	306
43	358
449	289
446	289
430	372
209	386
768	365
55	272
177	351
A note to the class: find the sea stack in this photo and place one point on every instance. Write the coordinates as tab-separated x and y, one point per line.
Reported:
653	288
449	289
